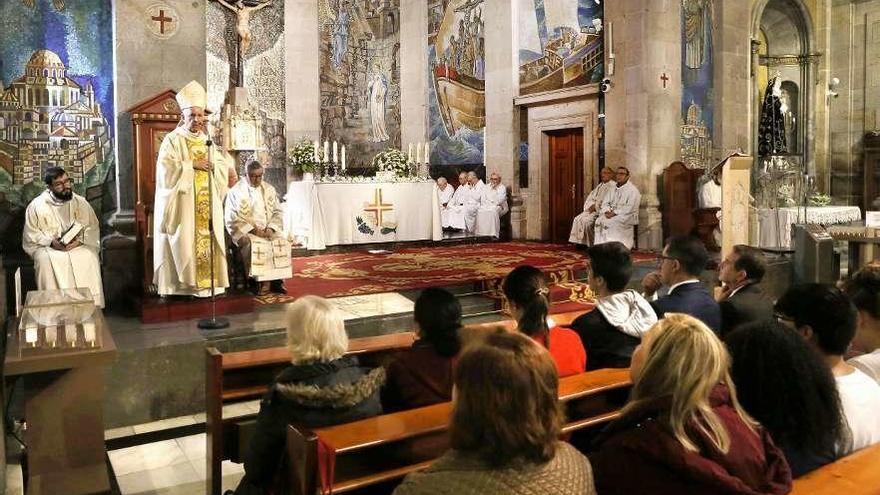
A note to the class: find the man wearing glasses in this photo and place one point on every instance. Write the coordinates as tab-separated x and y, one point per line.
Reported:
61	234
493	206
619	212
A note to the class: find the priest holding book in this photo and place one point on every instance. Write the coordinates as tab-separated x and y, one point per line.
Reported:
61	234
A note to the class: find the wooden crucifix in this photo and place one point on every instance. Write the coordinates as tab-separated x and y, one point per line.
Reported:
243	13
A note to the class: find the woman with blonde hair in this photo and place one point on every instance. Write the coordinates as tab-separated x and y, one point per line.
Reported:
505	427
684	430
322	387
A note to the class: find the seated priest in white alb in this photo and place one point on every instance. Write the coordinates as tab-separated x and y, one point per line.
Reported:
619	212
61	234
582	227
493	206
254	221
709	195
474	196
444	191
454	216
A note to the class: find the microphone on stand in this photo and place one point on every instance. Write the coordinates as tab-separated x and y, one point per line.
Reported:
212	323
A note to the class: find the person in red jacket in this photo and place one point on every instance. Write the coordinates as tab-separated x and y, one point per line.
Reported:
528	299
684	431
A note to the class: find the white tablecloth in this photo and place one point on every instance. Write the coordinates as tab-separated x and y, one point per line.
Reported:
788	216
328	214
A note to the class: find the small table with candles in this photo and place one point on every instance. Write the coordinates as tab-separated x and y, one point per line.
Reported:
60	348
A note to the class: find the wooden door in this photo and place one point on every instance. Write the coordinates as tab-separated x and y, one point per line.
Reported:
566	181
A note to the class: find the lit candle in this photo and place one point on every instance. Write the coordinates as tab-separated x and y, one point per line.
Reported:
335	156
51	335
343	158
427	154
409	153
89	331
30	335
316	152
419	152
326	150
70	334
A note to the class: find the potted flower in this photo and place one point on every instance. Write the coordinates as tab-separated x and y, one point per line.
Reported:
305	157
391	162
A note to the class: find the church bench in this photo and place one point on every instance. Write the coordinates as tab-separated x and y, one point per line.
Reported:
388	447
855	474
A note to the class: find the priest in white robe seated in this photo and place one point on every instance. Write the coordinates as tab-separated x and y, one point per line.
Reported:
445	194
582	226
473	199
191	184
619	212
62	235
493	206
454	216
254	220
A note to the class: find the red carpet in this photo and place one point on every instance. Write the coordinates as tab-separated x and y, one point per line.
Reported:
359	272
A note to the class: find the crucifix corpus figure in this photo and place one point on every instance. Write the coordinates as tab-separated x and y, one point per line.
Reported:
243	13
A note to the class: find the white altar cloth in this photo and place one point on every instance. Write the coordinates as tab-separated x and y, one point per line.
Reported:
321	214
788	216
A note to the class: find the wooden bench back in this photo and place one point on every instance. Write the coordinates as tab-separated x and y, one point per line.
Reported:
388	447
855	474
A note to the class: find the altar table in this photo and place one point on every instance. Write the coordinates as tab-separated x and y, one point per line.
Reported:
321	214
788	216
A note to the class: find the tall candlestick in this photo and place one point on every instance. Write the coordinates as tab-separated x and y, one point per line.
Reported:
70	334
409	153
89	331
335	156
427	154
419	152
343	158
51	335
326	151
316	152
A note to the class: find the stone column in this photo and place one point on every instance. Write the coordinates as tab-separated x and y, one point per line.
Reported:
502	117
643	116
413	72
732	75
302	70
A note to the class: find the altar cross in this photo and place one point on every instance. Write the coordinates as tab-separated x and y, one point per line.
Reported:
161	19
378	206
664	78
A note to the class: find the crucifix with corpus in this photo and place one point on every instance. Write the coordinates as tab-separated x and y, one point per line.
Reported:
243	11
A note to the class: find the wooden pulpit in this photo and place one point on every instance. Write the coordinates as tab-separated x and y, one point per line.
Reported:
151	120
679	199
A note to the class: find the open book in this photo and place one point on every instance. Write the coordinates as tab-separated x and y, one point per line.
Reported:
70	234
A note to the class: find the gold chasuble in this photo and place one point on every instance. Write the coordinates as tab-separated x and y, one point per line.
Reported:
202	197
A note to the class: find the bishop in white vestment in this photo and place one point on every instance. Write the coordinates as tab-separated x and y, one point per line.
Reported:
63	262
254	221
619	212
582	226
191	185
493	206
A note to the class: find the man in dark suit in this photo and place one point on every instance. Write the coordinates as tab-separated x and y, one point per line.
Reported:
681	263
741	298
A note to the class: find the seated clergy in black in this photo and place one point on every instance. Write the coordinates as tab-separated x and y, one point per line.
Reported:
682	261
741	299
611	332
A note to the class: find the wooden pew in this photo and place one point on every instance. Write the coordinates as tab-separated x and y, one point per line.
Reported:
855	474
245	375
388	447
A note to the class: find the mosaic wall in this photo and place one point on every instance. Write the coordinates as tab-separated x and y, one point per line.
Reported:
360	76
697	102
263	76
56	103
456	81
561	44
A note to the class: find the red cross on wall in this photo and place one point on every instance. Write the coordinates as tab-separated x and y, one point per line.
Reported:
665	79
161	19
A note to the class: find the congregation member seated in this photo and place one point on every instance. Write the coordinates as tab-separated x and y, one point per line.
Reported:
582	226
422	375
505	428
684	431
619	212
493	206
741	298
826	318
784	384
681	263
864	291
254	220
322	387
528	299
612	331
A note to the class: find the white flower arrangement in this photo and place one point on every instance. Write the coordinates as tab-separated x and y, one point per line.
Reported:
302	156
392	160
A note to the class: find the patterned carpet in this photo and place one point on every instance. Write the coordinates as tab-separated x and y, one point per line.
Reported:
484	265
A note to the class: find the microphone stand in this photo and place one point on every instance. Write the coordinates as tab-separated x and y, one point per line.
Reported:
212	323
